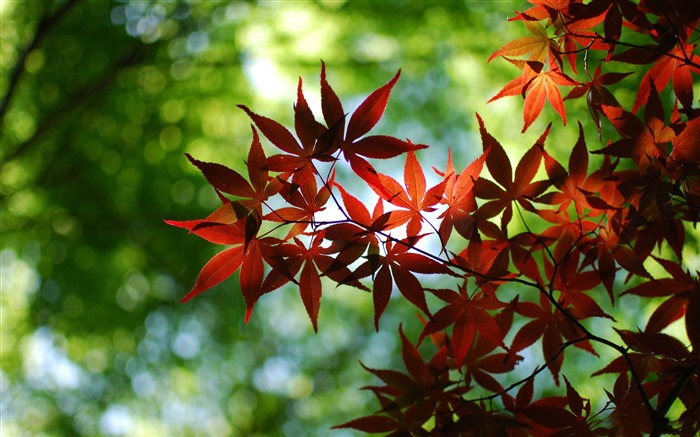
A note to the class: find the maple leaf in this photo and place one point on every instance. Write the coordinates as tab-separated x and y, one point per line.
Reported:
679	287
552	10
676	65
350	240
597	94
310	263
315	140
539	85
574	283
615	15
680	281
480	363
459	198
469	315
520	189
485	260
409	400
552	327
248	254
643	365
417	368
686	144
519	403
550	414
354	144
230	181
536	85
412	201
306	200
575	32
655	343
399	264
610	253
537	45
643	142
598	242
629	416
576	186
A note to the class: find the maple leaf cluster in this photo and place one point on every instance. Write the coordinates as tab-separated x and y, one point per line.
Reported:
590	233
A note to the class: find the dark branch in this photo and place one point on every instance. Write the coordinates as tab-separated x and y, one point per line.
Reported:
45	25
90	91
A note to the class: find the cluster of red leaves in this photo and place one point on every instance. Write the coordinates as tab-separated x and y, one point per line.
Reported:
597	229
562	30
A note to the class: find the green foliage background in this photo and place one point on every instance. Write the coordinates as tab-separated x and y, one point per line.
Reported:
104	106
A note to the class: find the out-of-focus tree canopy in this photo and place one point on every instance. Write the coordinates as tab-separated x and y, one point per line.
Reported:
100	102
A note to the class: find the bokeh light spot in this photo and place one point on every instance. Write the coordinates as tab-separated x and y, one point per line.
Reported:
182	192
170	137
35	61
172	111
111	162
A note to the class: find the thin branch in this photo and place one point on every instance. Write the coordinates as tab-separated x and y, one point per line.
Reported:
659	420
592	337
91	90
537	371
651	49
46	23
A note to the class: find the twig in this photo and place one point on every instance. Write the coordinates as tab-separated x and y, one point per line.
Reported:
47	22
89	91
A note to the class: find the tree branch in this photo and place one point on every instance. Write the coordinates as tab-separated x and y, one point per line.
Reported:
91	90
46	23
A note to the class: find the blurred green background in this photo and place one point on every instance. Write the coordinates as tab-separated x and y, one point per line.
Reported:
104	100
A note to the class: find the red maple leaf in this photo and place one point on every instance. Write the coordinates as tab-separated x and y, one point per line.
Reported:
399	264
629	416
540	85
249	254
412	201
537	46
315	140
459	198
597	94
310	262
305	200
486	260
520	189
573	283
643	142
409	400
686	145
255	193
536	85
355	146
351	239
469	315
679	287
677	64
553	327
480	363
550	416
575	32
577	186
